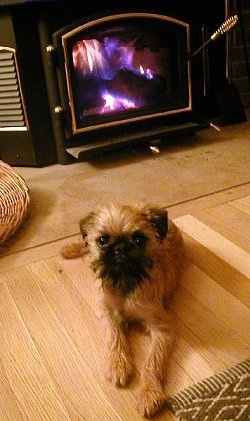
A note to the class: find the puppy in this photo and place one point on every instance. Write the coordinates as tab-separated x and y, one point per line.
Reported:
137	254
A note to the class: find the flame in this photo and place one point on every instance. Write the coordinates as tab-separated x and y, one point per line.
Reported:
148	74
89	60
141	70
116	103
94	59
101	61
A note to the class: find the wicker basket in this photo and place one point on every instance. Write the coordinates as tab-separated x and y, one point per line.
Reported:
14	201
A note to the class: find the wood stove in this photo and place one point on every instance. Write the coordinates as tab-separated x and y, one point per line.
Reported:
88	82
122	72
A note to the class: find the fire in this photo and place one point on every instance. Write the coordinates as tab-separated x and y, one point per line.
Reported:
94	59
89	60
148	73
115	103
111	65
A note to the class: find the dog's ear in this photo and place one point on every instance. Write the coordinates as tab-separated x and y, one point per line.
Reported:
85	223
158	217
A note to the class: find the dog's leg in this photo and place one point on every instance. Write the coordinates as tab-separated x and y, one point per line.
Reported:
119	362
75	249
151	394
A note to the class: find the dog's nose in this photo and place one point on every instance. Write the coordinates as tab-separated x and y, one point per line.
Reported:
121	249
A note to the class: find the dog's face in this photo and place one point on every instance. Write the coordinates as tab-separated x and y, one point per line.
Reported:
123	243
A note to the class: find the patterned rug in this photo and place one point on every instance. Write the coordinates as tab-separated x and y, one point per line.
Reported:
222	397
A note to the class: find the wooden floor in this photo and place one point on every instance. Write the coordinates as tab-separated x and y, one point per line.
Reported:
51	338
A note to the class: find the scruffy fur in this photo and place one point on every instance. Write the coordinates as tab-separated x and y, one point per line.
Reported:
137	254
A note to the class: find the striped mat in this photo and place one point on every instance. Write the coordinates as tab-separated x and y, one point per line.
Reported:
222	397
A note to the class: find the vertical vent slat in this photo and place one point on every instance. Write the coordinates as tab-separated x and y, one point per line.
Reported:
12	111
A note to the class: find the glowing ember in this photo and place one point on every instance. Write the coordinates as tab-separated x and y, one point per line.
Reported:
148	73
116	103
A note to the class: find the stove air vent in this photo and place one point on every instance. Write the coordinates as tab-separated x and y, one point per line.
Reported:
12	110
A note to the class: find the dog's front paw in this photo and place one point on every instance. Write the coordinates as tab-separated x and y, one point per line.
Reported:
150	400
119	370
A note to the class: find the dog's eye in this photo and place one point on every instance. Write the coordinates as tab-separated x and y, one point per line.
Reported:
102	240
139	240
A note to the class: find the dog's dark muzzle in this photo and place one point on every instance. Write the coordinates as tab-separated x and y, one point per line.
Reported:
121	251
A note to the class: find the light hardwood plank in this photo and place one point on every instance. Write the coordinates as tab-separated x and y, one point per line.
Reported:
224	343
63	360
34	391
219	245
230	279
34	254
230	221
220	302
243	203
9	407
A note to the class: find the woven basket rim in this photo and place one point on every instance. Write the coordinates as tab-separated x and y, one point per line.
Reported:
14	201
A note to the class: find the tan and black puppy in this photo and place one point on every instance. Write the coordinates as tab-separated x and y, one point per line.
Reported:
138	255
